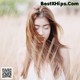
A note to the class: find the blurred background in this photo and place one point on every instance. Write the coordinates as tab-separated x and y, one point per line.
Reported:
13	17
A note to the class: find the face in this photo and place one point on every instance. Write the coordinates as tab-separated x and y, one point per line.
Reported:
42	27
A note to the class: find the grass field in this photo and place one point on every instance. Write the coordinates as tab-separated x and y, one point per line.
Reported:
12	38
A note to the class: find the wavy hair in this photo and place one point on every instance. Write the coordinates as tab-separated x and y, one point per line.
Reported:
42	52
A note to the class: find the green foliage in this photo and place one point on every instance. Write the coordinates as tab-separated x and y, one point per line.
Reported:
8	7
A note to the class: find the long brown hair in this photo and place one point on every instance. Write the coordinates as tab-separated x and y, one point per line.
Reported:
42	52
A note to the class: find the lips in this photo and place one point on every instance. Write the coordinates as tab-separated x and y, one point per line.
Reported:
41	39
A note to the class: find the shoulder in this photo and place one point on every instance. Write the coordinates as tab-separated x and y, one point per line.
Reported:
21	54
65	53
66	61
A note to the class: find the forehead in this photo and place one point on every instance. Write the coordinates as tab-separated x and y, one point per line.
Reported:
41	21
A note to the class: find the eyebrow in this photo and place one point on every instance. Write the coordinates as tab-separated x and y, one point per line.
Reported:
43	25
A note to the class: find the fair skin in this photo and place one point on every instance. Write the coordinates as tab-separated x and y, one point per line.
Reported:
66	64
43	28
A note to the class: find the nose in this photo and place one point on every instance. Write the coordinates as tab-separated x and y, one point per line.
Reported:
41	31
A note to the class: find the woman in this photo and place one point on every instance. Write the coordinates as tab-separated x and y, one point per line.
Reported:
44	57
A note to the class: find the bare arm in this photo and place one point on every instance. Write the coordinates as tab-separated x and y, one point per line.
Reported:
20	60
66	62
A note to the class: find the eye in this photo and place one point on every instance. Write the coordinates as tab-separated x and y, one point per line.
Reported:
37	27
46	27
